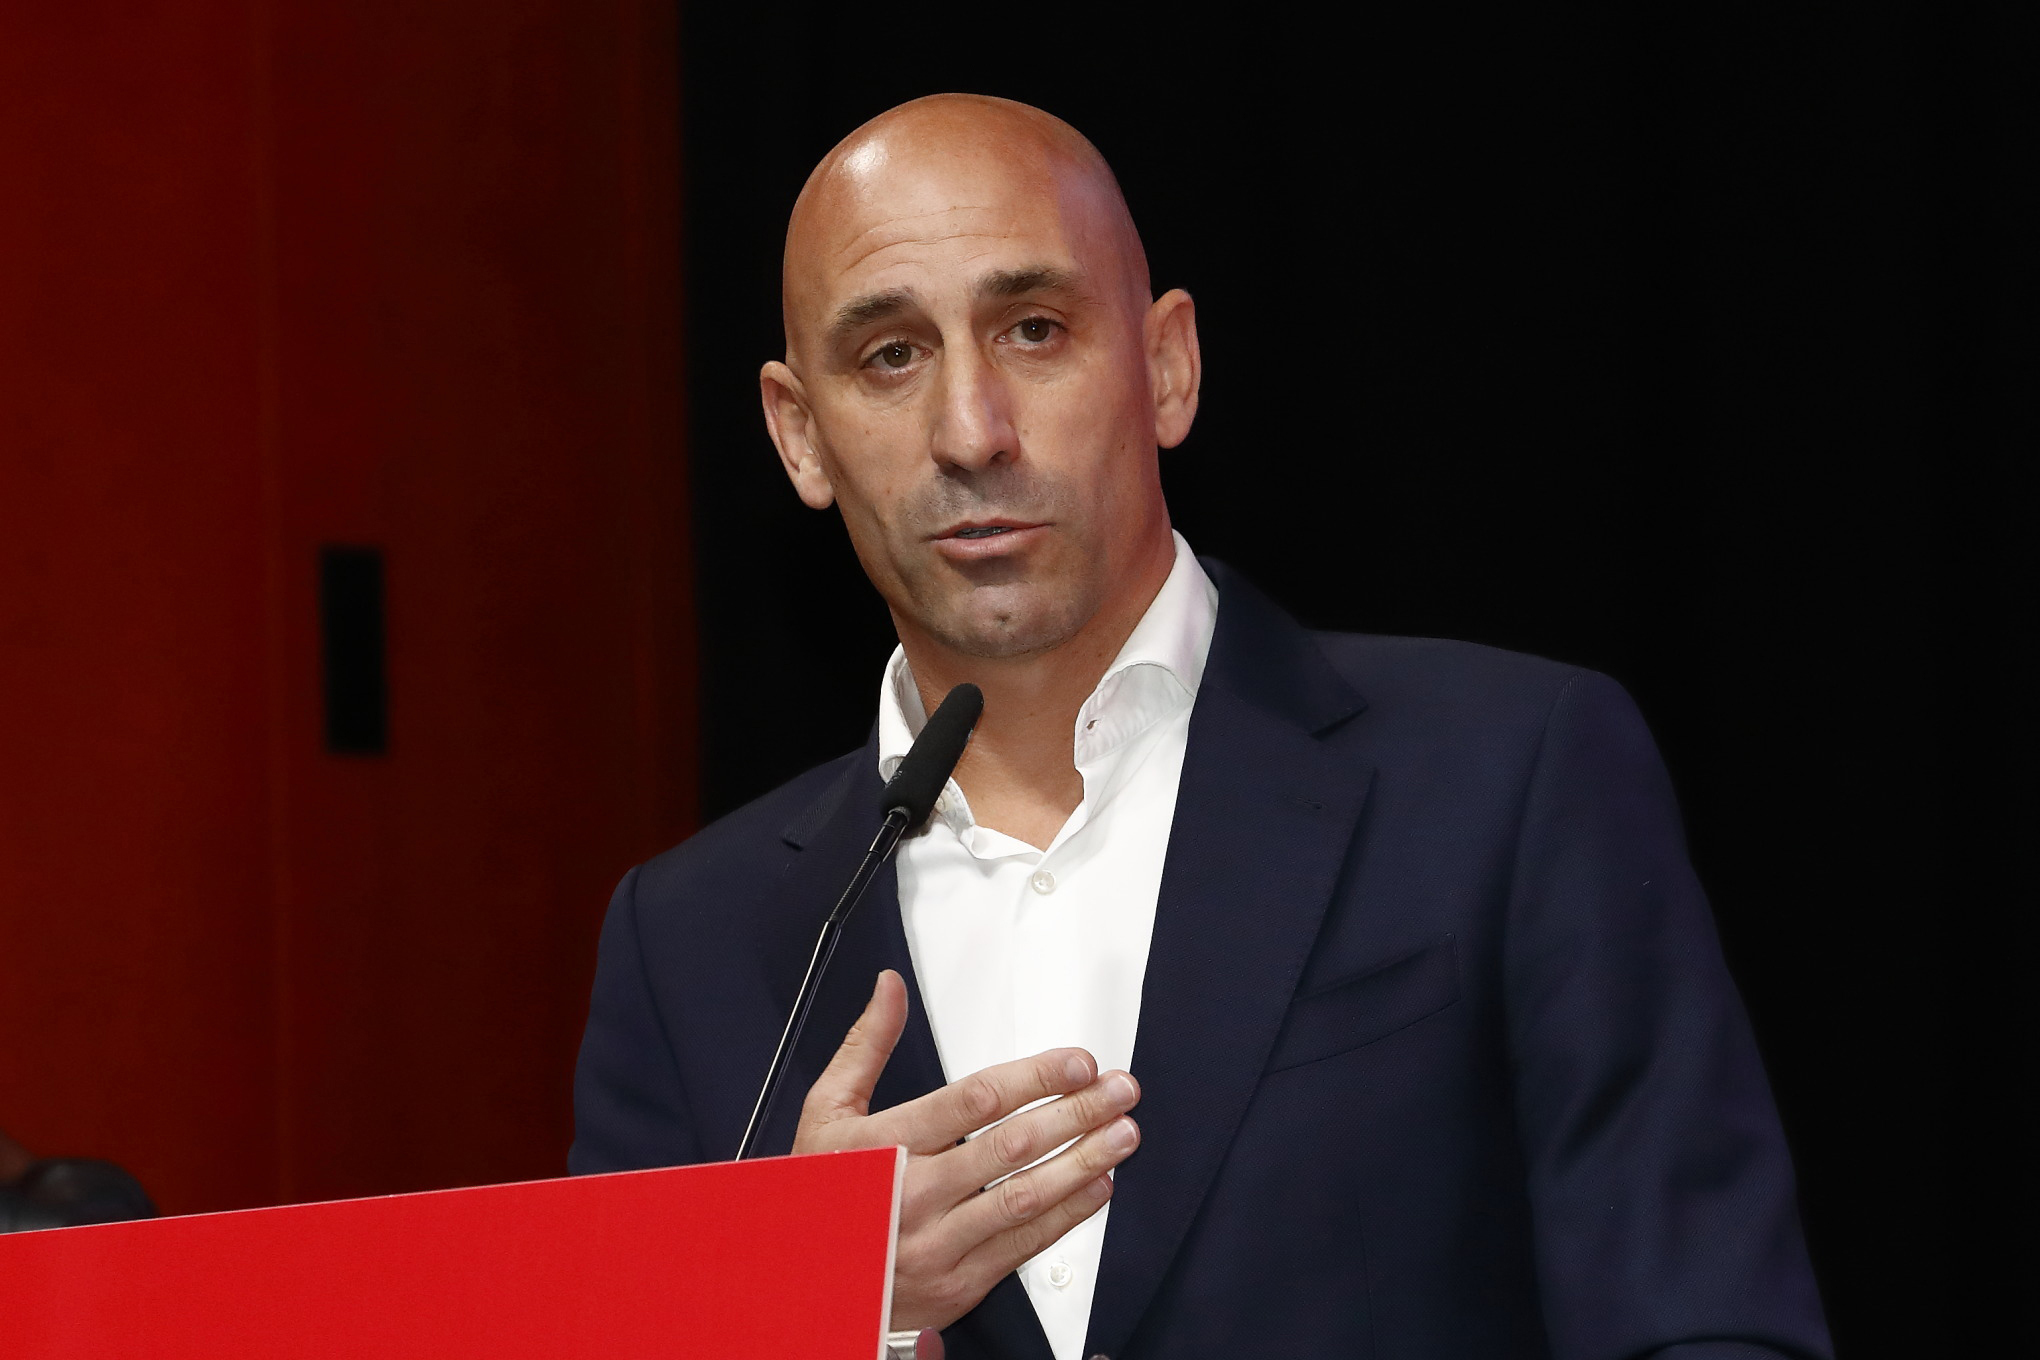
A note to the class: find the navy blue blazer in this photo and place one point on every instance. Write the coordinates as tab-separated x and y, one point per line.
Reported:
1438	1054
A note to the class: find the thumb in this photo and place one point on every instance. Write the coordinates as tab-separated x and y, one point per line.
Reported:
845	1086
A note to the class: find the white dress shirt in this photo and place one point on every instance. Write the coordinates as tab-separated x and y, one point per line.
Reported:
1019	948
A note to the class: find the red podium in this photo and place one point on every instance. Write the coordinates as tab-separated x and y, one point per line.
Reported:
784	1257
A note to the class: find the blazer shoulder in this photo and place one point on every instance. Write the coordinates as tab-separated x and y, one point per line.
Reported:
1439	676
1349	686
1428	697
1487	728
735	845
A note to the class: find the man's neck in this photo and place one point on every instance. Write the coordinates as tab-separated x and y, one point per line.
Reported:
1019	771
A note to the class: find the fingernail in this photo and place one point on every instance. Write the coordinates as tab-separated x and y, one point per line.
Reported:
1120	1090
1101	1188
1076	1070
1122	1135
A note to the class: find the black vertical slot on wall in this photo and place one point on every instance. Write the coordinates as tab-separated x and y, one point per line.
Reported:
351	629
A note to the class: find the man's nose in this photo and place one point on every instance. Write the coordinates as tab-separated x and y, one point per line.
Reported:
974	415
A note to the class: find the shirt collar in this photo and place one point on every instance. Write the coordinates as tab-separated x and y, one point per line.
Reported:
1157	671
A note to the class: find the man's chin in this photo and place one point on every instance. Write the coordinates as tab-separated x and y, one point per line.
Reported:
1021	623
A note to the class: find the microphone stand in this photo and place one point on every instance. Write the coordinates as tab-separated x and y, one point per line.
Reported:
882	846
909	796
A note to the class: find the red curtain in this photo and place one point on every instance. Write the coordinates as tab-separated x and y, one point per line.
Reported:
275	275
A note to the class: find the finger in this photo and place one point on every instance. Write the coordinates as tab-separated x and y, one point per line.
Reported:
1027	1137
1018	1245
934	1122
1018	1217
928	1345
844	1088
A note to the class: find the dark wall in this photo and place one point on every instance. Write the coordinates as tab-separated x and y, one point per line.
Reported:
1672	347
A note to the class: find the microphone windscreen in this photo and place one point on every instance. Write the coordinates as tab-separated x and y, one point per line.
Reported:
921	776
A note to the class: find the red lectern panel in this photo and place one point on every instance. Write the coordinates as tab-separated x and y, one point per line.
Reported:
786	1257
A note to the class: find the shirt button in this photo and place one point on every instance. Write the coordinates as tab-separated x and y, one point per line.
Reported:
1043	882
1060	1274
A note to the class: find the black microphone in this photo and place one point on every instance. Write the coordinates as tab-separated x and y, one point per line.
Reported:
908	799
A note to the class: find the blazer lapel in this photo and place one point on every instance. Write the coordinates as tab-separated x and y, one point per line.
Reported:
831	836
1264	815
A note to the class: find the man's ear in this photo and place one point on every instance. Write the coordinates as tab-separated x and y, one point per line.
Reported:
1175	367
793	433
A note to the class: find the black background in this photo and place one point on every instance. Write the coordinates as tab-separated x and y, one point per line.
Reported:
1686	347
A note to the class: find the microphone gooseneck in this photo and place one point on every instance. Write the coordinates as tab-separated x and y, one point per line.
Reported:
908	799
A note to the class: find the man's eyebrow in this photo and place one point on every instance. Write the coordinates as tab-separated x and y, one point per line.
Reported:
860	312
1008	283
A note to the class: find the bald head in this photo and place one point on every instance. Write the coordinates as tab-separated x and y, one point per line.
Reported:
952	167
978	378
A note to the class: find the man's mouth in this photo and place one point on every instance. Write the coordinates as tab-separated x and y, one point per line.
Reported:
981	542
988	527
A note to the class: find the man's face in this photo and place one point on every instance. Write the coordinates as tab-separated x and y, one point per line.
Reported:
966	338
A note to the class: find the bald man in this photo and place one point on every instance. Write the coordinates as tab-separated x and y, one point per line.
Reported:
1250	991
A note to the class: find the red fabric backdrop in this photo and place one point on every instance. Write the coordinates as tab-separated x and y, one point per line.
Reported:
278	274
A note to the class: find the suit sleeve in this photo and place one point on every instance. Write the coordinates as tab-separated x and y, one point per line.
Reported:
630	1111
1661	1189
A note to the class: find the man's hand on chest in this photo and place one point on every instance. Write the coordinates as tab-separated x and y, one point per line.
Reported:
973	1211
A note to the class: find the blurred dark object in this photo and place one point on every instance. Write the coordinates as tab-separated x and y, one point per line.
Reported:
65	1192
14	1159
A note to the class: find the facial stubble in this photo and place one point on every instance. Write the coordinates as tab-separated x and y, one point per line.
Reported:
1002	606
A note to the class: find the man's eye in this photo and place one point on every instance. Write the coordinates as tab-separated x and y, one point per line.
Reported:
1035	329
898	354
